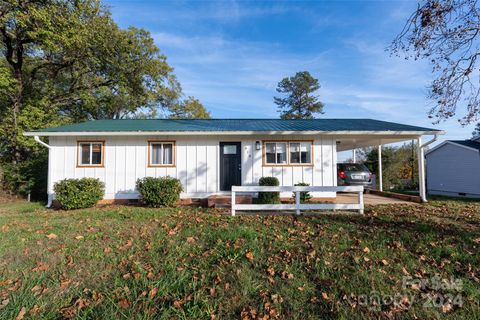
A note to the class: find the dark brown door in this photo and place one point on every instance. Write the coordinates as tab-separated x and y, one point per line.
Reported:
230	165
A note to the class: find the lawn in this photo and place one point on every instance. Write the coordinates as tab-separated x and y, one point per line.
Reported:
407	261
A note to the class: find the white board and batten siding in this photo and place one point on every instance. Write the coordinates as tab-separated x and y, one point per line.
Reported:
453	170
197	164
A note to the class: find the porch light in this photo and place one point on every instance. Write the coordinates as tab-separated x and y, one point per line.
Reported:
257	145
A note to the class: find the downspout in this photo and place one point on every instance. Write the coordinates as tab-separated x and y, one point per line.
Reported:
49	196
435	138
37	138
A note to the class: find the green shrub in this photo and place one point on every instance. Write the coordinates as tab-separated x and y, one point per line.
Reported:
159	192
78	193
268	197
304	196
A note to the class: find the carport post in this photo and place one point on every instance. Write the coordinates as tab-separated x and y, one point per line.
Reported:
380	179
421	170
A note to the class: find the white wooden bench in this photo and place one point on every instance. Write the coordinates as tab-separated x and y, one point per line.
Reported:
297	206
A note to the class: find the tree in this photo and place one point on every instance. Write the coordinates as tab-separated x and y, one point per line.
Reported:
300	103
66	61
398	165
476	131
446	32
190	108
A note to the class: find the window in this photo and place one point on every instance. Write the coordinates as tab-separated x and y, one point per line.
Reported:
229	149
300	152
276	152
161	153
288	153
90	153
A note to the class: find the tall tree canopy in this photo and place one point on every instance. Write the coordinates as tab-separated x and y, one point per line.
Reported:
67	61
300	101
446	32
190	108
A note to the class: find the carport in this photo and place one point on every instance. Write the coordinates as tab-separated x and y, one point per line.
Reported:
378	139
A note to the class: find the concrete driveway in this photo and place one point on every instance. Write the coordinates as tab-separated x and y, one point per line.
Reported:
369	199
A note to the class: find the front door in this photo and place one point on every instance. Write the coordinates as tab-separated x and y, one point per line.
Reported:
230	165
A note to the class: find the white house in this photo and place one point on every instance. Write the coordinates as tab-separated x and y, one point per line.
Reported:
209	156
453	168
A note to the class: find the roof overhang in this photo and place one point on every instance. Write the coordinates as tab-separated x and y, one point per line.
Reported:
404	134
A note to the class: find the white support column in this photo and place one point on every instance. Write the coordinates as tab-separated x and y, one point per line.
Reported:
380	174
421	170
354	156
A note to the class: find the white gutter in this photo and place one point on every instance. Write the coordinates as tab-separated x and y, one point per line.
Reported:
37	138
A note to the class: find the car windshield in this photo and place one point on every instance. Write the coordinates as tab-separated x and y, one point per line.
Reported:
353	167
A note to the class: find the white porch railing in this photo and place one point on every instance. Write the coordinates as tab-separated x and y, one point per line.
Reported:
298	206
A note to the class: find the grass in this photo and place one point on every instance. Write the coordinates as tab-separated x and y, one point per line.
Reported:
141	263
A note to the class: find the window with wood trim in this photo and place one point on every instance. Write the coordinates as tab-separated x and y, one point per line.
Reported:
300	152
284	153
90	153
276	153
161	153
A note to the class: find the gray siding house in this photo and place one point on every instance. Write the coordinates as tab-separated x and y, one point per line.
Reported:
453	169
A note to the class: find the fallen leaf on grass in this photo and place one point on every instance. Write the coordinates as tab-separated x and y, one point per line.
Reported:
41	266
190	239
178	304
385	262
79	237
65	283
37	290
21	314
107	250
4	303
325	296
213	292
366	250
52	236
446	308
128	245
271	271
124	303
34	311
153	293
249	256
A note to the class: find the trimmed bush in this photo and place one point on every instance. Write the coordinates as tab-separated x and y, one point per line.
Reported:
159	192
78	193
304	196
268	197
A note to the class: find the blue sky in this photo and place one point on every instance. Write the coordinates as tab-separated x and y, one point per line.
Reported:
231	55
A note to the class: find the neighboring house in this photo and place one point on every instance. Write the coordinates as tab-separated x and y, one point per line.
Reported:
209	156
453	168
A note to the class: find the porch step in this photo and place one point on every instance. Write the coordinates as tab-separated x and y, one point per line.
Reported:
221	201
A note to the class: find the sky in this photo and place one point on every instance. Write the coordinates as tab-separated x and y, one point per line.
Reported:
231	55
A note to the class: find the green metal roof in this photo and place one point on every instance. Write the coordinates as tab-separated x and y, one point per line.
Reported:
229	125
